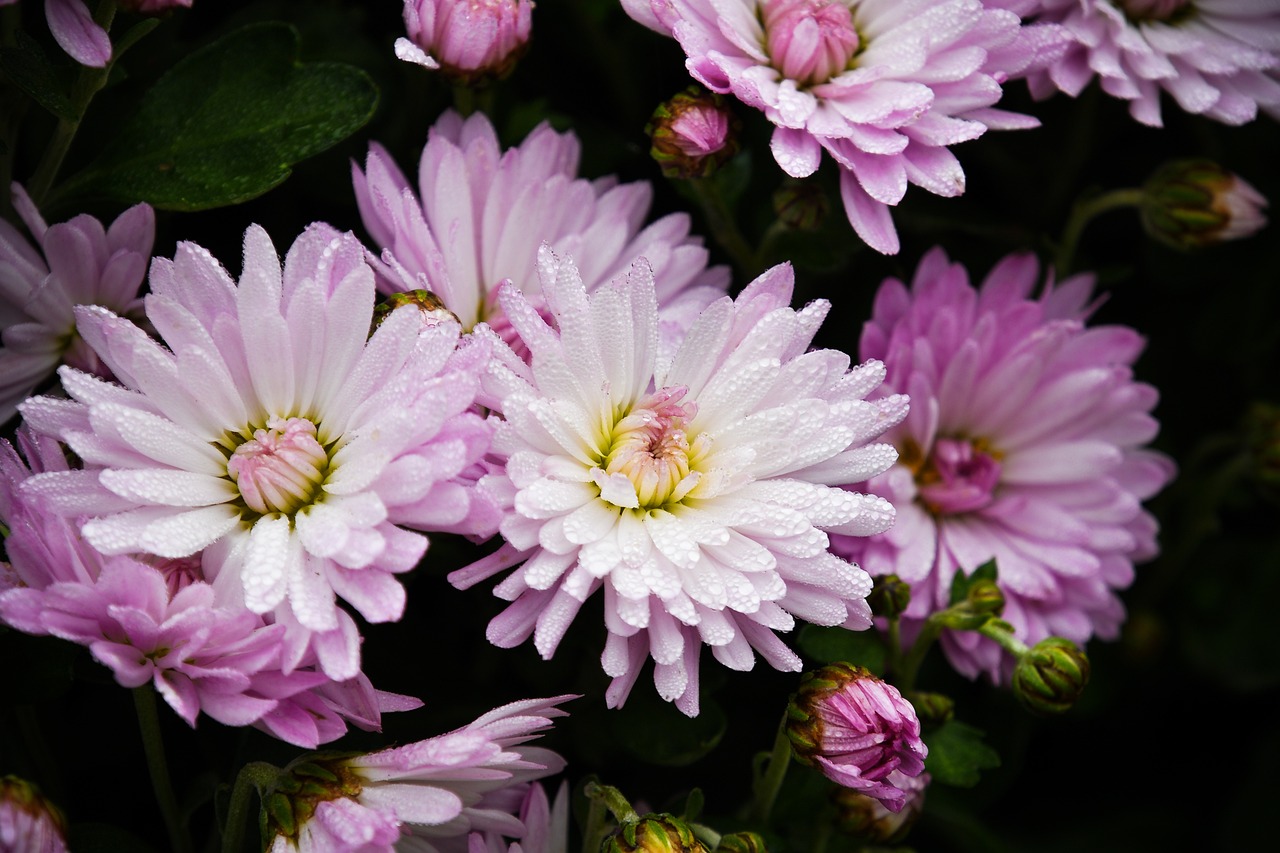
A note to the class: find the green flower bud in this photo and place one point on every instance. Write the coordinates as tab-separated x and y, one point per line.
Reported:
693	134
741	842
985	597
890	596
933	709
801	205
1050	677
653	833
1188	204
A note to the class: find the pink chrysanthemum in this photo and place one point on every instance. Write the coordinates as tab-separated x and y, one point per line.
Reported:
694	489
275	436
1024	443
430	795
158	622
484	212
1218	58
468	39
78	263
883	86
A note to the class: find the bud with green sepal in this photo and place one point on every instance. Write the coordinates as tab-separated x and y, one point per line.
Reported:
1050	677
741	842
933	709
693	134
889	596
867	820
801	205
28	821
654	833
1189	204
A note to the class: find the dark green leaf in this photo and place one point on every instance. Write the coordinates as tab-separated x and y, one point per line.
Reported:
961	582
958	754
227	123
28	68
825	645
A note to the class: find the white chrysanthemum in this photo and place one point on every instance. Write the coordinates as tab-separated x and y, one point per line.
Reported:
694	489
275	436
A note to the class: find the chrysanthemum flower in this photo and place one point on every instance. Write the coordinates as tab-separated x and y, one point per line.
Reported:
693	489
78	263
275	436
469	40
1218	58
859	732
427	796
483	213
158	622
1024	443
883	86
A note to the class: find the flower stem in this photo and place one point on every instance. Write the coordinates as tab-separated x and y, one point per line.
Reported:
768	784
253	777
594	829
144	700
894	641
928	635
1084	211
995	630
724	227
87	84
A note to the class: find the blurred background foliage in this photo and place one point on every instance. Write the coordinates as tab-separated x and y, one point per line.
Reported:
1175	742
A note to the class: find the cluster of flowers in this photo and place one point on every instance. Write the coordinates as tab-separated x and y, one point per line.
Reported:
235	460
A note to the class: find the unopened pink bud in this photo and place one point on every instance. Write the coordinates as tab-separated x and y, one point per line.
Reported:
470	40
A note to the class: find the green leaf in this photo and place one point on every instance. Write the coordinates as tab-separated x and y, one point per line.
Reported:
958	754
26	65
961	582
227	123
826	645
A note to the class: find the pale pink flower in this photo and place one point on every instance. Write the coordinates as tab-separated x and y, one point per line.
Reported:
29	823
883	86
78	262
73	28
546	825
693	489
859	731
483	212
468	39
430	795
1217	58
1025	443
146	626
275	436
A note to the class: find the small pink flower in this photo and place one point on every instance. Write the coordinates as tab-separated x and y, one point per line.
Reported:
438	791
78	262
859	732
467	39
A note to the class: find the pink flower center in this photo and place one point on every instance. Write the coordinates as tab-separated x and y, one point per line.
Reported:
1153	10
651	448
960	476
809	41
281	468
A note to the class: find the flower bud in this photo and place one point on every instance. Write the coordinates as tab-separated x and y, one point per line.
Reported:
857	730
693	134
1188	204
801	205
870	822
741	842
1050	677
985	597
933	709
27	820
889	596
653	833
471	41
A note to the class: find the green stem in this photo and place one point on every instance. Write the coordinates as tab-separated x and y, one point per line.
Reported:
89	82
255	776
894	641
464	99
593	831
144	700
993	630
1084	212
724	228
928	635
769	783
